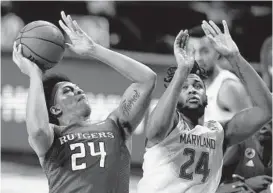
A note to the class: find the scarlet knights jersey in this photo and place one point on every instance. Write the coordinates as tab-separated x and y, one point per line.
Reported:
250	163
186	161
88	159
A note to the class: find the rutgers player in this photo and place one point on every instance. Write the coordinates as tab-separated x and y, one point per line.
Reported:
184	153
78	156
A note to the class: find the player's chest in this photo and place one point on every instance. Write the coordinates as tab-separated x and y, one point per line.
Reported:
85	149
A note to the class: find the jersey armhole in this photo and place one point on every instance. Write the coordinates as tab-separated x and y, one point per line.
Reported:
177	123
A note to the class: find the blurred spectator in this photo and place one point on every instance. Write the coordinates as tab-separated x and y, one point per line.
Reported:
226	94
252	160
11	24
266	62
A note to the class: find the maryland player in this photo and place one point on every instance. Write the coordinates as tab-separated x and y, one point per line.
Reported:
185	154
78	156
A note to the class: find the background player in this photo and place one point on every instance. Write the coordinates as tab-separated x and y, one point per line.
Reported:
184	154
251	159
78	156
225	92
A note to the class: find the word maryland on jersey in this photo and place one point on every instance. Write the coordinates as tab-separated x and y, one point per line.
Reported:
197	140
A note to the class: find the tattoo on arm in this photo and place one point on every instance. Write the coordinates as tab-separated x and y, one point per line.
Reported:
128	104
239	70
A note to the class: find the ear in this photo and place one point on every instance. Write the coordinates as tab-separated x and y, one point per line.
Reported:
56	110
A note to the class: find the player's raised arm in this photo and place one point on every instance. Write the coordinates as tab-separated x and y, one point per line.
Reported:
40	132
248	121
135	101
164	116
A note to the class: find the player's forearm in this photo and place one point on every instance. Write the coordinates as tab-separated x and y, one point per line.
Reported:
36	116
128	67
162	118
257	89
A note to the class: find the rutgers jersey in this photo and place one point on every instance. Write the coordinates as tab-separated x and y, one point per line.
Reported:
87	159
251	162
186	161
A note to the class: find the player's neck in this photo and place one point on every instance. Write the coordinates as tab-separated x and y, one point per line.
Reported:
212	75
193	121
65	121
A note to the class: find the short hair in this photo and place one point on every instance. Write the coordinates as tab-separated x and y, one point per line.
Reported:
196	69
49	83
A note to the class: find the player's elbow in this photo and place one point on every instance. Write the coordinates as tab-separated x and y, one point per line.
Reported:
36	129
151	79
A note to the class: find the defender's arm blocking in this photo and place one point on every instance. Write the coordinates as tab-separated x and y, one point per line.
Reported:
248	121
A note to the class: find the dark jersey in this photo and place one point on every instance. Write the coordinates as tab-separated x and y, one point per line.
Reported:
251	164
87	159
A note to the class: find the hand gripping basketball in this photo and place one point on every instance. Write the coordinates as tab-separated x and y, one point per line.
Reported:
43	43
26	66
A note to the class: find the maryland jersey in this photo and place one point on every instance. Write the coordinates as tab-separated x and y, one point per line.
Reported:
186	161
88	159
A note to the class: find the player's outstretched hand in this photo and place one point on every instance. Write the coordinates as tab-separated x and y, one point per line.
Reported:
222	42
182	55
259	183
82	44
26	66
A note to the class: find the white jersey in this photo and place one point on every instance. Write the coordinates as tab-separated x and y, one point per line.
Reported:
213	111
186	161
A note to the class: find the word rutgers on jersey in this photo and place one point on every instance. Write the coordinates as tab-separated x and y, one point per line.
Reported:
86	135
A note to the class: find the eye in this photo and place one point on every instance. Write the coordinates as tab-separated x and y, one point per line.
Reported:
198	86
67	89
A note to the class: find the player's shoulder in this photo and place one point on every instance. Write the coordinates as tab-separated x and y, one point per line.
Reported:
214	125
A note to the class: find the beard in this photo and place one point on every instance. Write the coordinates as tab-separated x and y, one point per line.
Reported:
192	113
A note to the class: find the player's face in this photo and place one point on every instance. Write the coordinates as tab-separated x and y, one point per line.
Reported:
204	54
193	94
70	99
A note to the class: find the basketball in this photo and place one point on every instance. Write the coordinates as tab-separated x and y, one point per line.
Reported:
43	43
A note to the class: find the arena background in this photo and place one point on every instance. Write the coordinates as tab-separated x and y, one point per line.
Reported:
142	30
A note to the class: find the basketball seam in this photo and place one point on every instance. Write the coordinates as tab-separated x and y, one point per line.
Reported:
39	55
40	26
45	40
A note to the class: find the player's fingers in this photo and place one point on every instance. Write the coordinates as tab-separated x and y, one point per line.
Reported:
215	27
211	39
186	41
68	45
209	28
179	38
65	28
78	28
238	177
64	18
14	46
226	30
20	49
71	25
206	31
